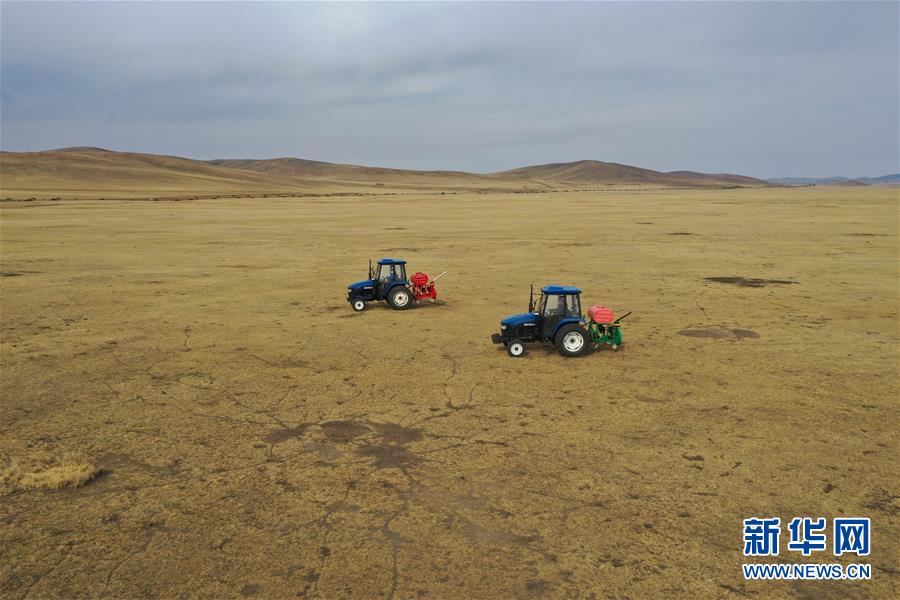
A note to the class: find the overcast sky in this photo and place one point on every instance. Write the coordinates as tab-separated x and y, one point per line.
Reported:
763	89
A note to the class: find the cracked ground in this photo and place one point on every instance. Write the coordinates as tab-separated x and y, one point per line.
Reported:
259	438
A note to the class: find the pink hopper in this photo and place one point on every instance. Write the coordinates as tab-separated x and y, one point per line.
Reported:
601	314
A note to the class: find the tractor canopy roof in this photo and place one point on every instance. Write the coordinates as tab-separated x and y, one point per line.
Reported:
391	261
560	289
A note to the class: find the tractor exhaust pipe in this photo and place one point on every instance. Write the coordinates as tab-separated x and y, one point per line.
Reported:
531	298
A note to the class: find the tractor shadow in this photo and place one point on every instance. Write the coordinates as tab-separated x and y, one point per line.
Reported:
545	351
417	306
429	305
384	306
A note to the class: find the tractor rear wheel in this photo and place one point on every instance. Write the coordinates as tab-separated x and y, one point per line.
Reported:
572	340
515	348
400	298
359	305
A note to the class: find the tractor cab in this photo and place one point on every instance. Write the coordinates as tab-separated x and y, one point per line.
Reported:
556	320
389	271
558	304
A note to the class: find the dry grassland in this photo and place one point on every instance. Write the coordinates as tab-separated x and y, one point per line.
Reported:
258	438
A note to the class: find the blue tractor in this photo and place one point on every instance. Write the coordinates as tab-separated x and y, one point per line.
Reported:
557	321
387	282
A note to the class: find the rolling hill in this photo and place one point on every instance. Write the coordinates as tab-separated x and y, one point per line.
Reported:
298	167
95	172
848	183
720	178
86	172
593	172
893	179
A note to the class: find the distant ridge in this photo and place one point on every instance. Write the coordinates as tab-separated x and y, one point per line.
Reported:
76	170
724	177
893	179
84	171
598	172
80	149
583	172
300	167
849	183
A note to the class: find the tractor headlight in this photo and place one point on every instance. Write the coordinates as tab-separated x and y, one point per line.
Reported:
502	326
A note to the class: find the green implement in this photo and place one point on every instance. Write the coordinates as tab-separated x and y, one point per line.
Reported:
609	334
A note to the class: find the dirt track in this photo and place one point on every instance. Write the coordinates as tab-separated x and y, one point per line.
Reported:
258	438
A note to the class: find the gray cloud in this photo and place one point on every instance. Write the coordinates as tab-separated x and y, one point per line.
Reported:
767	89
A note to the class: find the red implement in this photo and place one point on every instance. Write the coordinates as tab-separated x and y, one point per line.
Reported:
601	314
422	287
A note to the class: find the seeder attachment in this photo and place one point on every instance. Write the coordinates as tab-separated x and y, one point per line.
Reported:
423	287
604	328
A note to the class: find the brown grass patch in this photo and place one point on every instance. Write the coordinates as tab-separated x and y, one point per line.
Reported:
750	281
719	333
46	471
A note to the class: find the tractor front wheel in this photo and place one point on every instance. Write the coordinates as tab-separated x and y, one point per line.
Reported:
515	348
572	340
400	298
359	305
